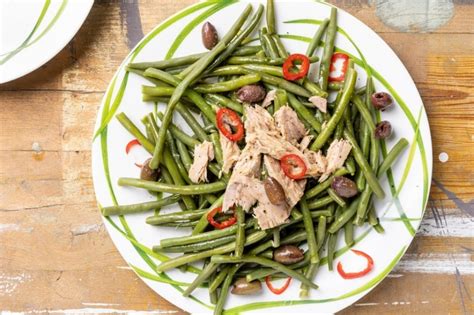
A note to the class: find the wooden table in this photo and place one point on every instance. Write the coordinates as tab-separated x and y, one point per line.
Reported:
55	254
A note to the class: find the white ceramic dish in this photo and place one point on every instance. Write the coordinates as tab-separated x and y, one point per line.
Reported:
32	32
400	212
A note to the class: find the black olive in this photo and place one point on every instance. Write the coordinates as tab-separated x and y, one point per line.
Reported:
344	187
209	35
251	93
147	173
288	254
383	130
381	100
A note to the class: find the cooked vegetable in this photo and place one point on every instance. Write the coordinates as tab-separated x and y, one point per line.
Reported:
242	287
229	124
355	275
293	166
338	67
296	66
147	173
251	93
220	225
277	291
274	191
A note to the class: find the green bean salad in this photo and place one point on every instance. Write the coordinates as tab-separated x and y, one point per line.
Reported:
273	169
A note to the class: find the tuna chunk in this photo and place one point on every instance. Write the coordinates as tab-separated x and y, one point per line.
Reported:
230	152
269	215
269	98
290	127
336	156
319	102
203	153
317	163
241	189
257	118
293	189
304	143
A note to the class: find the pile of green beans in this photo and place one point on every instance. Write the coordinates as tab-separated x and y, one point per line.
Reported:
204	82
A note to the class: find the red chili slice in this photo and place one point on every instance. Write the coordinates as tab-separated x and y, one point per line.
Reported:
354	275
223	224
129	146
293	166
293	61
229	124
339	63
278	291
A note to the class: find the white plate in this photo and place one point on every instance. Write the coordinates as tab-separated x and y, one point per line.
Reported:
411	173
34	31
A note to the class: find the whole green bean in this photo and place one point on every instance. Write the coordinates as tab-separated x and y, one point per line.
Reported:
196	247
139	207
264	44
319	202
230	85
192	122
130	126
309	274
189	258
217	148
169	63
332	241
261	273
213	295
364	111
308	225
224	290
220	259
240	233
397	149
198	238
173	158
304	112
346	215
340	201
180	135
270	44
364	204
328	50
281	99
190	215
349	233
206	273
351	165
220	277
325	184
347	91
314	43
282	52
173	189
270	17
184	153
246	50
321	232
364	165
224	101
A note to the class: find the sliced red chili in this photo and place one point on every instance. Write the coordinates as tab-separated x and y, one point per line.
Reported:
295	61
229	124
293	166
217	224
268	281
338	68
129	146
358	274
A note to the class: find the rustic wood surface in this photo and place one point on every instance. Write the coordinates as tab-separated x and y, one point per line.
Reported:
55	254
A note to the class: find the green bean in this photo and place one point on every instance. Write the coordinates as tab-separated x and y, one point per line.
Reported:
281	99
212	295
313	88
280	47
324	135
203	222
264	44
308	225
364	111
346	215
175	216
173	189
347	120
328	50
321	202
189	258
365	147
276	237
173	158
205	273
326	184
195	97
246	50
184	153
180	135
244	60
321	232
281	83
349	233
314	43
217	148
304	112
254	21
220	259
130	126
364	165
163	64
351	165
227	86
309	274
335	86
224	290
178	180
340	201
198	238
365	199
240	233
397	149
220	277
321	213
261	273
226	102
192	122
271	46
196	247
139	207
332	241
270	17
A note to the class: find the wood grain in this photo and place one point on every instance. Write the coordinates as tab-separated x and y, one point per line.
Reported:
55	252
